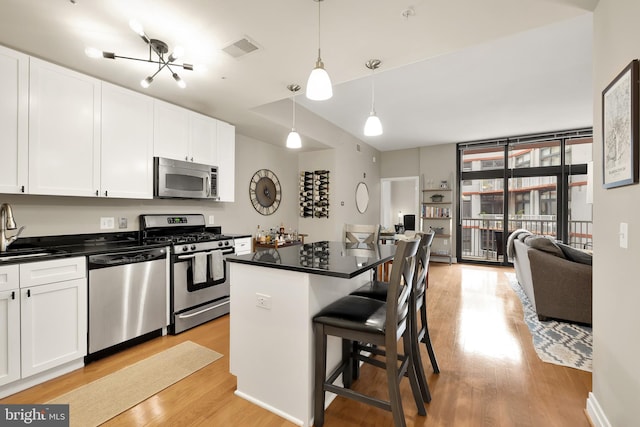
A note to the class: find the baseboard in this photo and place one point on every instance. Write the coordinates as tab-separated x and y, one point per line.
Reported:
23	384
596	415
269	408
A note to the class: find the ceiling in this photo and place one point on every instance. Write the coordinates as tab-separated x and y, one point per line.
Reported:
451	71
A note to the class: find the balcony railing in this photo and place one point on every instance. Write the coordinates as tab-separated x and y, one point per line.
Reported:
482	237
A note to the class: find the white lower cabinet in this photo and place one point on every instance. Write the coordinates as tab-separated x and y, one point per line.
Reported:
43	320
242	246
9	321
53	325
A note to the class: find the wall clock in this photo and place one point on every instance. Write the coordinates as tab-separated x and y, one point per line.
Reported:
265	192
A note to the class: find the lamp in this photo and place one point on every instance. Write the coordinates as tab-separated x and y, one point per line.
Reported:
156	46
293	139
319	84
372	126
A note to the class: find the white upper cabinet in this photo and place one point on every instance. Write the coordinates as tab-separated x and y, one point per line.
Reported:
170	131
226	161
14	111
203	139
185	135
64	131
127	144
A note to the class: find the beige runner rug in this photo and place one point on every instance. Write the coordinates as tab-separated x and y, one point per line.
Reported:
97	402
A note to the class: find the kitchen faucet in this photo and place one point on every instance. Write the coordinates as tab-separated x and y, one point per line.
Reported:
7	223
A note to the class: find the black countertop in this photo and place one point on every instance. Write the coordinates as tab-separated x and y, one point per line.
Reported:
336	259
72	245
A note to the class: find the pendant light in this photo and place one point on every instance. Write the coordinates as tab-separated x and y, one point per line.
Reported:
373	126
319	84
293	139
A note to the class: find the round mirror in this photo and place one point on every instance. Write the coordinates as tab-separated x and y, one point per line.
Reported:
362	197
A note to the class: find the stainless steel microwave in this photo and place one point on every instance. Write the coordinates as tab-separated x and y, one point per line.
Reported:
184	180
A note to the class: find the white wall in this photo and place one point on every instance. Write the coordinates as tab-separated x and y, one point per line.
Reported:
347	167
616	292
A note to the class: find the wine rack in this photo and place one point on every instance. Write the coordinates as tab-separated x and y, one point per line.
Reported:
314	194
306	194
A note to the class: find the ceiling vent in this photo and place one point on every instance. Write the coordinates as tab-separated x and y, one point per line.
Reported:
241	47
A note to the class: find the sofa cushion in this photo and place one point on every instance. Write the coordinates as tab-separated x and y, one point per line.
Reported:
545	244
576	255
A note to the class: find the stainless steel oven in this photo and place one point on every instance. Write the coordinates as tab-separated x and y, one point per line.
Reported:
187	180
199	274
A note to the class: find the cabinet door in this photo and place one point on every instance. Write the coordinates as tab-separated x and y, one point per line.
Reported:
170	131
203	139
126	144
64	137
9	336
14	104
53	325
226	161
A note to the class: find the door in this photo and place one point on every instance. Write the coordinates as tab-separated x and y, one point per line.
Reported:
170	131
64	131
203	139
14	110
9	336
53	325
127	144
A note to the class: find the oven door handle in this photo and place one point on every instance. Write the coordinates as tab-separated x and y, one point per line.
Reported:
186	316
186	256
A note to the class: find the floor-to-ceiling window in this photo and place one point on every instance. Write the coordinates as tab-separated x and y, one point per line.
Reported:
534	182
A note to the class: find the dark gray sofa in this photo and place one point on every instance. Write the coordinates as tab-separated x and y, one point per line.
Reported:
556	278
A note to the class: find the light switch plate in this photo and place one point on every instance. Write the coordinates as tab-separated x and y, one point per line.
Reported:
107	223
624	235
122	223
211	220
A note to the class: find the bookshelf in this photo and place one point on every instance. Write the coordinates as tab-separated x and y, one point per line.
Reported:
437	214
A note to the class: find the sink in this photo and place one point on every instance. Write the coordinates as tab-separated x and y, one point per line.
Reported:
9	256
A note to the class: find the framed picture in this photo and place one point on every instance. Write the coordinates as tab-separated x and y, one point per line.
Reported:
620	129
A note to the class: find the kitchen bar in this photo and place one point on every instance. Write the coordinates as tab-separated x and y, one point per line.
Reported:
274	295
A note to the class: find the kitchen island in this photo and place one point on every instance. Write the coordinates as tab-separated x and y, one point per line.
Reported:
274	295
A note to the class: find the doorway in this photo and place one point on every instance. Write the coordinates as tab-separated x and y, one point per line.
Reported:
399	197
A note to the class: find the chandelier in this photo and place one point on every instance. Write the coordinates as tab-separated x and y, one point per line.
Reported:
157	47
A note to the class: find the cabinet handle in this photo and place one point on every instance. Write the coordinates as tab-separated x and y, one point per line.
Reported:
186	158
13	294
97	192
192	159
106	193
22	189
28	293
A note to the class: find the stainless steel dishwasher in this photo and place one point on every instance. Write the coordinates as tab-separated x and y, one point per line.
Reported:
127	297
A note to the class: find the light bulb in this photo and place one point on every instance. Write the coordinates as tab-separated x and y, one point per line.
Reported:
92	52
136	27
145	83
293	139
319	84
373	126
179	80
177	53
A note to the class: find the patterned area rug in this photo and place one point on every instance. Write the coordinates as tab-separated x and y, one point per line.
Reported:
561	343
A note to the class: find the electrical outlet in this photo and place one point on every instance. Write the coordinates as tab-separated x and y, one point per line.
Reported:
107	223
122	223
446	242
624	235
211	220
263	301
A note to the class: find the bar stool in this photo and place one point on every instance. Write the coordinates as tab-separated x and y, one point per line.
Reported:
420	333
356	318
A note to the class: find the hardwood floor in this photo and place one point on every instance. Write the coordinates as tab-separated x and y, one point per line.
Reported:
490	373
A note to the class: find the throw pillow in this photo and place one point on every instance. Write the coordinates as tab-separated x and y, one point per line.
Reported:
576	255
544	244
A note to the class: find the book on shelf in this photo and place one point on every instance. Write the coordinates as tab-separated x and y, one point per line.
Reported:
435	212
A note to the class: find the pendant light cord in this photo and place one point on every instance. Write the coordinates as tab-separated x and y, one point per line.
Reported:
373	90
319	44
294	111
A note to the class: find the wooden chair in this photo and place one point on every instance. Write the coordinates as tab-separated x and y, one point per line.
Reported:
419	330
379	323
357	233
